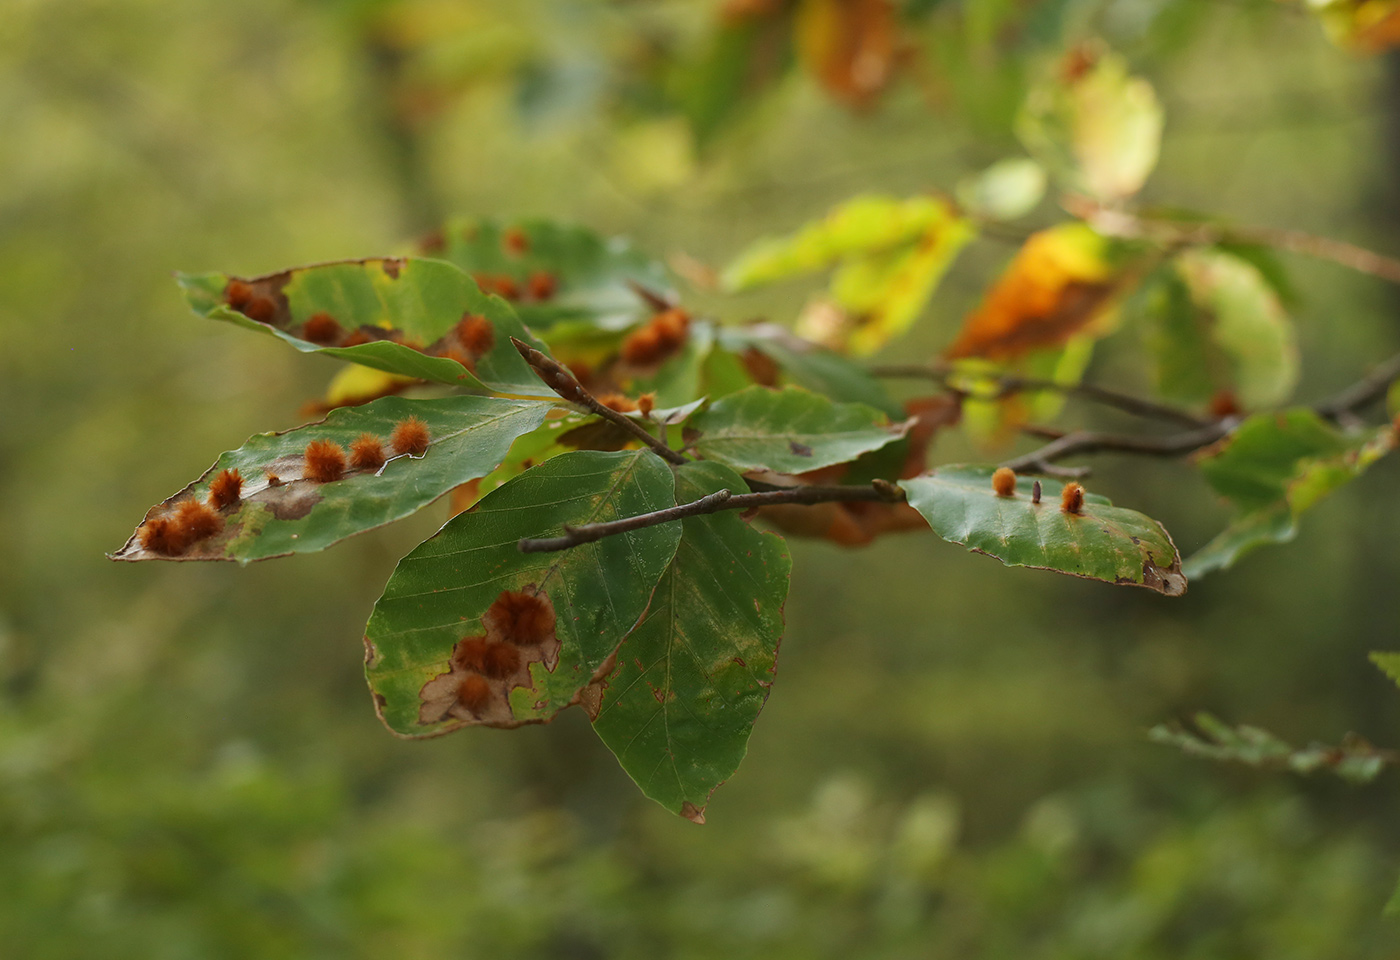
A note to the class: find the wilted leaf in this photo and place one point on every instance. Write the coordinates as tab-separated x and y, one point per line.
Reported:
1273	467
1061	283
1101	542
280	509
1095	127
551	272
789	430
441	596
1354	760
399	316
850	47
1006	190
692	678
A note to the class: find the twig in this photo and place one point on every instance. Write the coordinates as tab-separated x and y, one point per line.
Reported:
1365	391
1086	441
879	491
1123	223
1007	385
558	378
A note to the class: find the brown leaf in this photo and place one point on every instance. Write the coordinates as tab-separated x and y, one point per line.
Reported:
851	47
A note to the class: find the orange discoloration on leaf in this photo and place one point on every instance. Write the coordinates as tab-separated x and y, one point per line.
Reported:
1057	285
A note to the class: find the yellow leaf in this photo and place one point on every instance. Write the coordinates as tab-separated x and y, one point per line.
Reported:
1366	26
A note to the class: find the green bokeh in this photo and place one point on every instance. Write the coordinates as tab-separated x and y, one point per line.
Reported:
952	762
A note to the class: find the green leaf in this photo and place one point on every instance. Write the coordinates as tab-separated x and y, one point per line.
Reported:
1275	466
789	430
1103	542
1006	190
1245	319
1389	664
692	678
1354	759
1095	127
591	277
421	300
444	592
469	436
809	365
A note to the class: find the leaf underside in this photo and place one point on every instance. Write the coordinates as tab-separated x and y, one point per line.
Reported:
468	438
1103	542
439	593
407	308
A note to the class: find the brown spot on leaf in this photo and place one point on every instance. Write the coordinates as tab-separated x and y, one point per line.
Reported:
483	669
392	267
762	369
799	449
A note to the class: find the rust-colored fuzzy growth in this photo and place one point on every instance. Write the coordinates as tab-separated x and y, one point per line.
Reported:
515	242
1072	499
619	402
197	520
325	461
525	619
322	328
491	658
411	436
261	309
475	334
1004	482
541	285
474	693
164	536
237	294
367	453
662	336
226	489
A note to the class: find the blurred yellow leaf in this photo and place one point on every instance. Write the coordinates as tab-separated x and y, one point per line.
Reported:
1058	284
1095	127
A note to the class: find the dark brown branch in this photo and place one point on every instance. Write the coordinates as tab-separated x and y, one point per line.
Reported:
1008	385
558	378
1086	441
1364	392
879	491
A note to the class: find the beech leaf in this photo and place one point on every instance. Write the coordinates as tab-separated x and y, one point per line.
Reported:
1101	542
1275	466
692	678
467	438
396	315
789	430
434	658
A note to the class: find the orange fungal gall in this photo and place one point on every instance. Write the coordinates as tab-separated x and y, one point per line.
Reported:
197	520
1004	482
237	294
367	453
541	285
411	436
325	461
163	535
226	489
475	334
526	619
474	693
322	328
1072	499
261	309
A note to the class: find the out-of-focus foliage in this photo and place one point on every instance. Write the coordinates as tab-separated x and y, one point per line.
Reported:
954	765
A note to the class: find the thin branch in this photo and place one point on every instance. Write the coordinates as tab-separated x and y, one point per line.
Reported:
878	491
1365	391
1007	385
558	378
1122	223
1086	441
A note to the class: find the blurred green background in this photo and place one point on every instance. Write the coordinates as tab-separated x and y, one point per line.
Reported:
953	760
